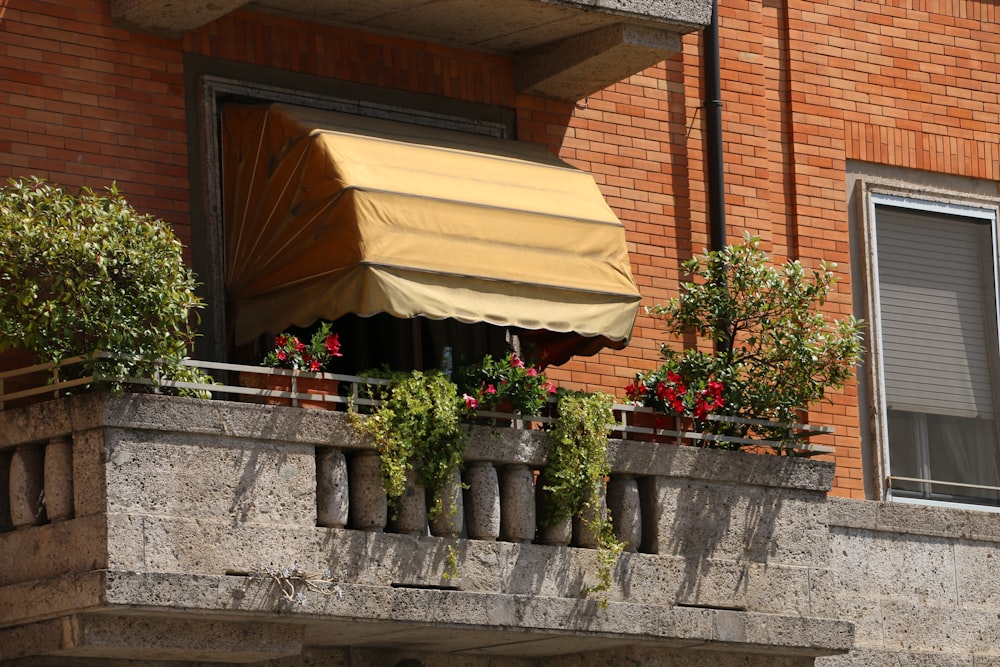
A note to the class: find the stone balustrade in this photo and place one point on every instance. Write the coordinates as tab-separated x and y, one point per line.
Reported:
177	505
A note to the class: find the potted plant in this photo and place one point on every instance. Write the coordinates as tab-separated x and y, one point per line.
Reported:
773	352
506	384
306	361
671	401
85	273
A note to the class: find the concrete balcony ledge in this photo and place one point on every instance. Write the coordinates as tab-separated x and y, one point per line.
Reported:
564	49
222	621
179	508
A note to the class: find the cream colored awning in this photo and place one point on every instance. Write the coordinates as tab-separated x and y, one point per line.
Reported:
328	214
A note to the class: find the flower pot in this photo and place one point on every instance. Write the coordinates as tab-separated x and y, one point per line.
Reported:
656	422
307	385
505	406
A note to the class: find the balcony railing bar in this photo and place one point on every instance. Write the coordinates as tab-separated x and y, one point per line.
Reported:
623	428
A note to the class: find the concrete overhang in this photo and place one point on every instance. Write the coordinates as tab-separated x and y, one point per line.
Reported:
565	49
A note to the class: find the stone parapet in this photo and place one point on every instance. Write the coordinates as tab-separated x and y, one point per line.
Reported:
186	510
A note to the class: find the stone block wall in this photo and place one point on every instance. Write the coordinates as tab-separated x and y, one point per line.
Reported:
919	582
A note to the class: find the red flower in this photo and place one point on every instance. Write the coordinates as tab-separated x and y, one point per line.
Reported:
515	361
470	402
282	355
661	390
333	345
490	389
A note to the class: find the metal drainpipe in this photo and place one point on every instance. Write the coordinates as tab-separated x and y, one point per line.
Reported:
716	188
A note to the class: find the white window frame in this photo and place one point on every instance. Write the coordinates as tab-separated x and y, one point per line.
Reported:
928	200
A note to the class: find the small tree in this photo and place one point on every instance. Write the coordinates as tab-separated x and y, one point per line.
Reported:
86	273
774	352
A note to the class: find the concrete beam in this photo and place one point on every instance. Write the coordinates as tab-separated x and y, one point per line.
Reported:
152	638
584	64
169	17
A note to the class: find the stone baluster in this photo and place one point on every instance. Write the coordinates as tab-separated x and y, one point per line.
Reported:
482	501
452	517
58	478
411	508
332	488
583	533
27	506
626	515
517	504
5	522
368	503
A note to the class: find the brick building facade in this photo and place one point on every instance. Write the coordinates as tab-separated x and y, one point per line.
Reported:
835	113
807	90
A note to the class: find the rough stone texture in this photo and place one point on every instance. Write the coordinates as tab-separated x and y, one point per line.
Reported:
332	490
58	479
179	474
27	505
581	65
517	504
112	636
187	509
502	25
78	545
918	582
482	500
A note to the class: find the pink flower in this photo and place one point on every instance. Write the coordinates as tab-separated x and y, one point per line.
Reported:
515	361
549	387
470	402
531	372
490	389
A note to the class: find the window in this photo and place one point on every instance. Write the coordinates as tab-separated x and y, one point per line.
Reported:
934	338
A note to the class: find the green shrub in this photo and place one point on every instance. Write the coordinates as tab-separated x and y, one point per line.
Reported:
774	352
87	272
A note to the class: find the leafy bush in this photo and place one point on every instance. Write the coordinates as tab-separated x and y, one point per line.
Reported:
83	273
774	353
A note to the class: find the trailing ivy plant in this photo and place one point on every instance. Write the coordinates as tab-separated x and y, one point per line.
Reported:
577	469
774	352
418	426
85	273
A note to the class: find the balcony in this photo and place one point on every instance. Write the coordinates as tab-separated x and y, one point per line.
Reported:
148	527
565	49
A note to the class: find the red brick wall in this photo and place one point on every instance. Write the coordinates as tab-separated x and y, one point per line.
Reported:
84	103
806	87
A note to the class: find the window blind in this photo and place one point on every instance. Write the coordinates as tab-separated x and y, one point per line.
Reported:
938	319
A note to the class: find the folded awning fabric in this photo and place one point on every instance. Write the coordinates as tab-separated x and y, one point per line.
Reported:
329	213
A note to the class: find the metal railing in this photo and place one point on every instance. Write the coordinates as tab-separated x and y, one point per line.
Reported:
625	428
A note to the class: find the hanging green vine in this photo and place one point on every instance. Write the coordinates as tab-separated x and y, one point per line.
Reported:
418	426
577	469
